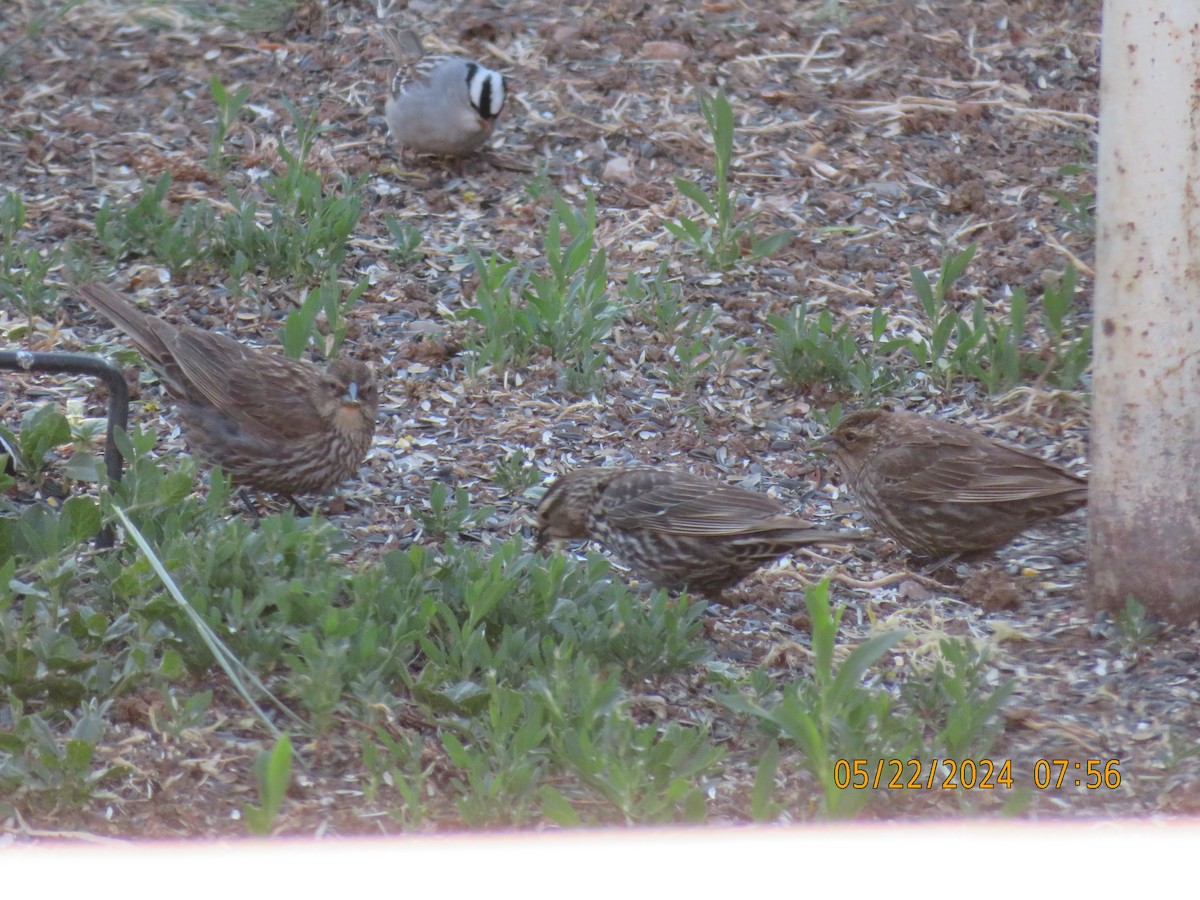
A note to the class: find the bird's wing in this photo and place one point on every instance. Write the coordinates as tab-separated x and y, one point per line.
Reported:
944	471
266	394
684	504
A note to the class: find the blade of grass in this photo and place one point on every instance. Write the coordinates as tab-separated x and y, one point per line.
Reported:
223	655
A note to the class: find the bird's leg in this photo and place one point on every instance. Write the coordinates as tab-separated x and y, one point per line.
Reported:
937	564
298	507
247	502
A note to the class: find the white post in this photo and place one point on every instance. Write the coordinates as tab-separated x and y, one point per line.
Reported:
1144	494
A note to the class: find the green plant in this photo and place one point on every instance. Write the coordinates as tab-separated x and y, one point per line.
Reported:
50	770
649	636
273	774
1135	631
491	645
515	473
538	185
502	763
309	228
1000	351
240	675
180	718
763	807
999	360
229	107
24	269
726	239
300	328
408	238
87	433
446	519
39	533
255	15
395	762
569	302
698	347
656	301
833	716
952	339
506	334
694	354
60	642
1078	207
147	228
42	429
643	773
562	304
305	234
12	220
1067	352
7	482
809	349
955	702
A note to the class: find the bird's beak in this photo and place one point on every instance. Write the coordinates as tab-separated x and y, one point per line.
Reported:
351	398
825	443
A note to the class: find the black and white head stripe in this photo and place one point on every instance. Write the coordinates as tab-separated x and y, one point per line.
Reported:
486	90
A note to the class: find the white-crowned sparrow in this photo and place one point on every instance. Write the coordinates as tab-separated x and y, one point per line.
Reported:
447	107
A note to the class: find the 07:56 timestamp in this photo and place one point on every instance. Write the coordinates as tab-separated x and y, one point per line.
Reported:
969	774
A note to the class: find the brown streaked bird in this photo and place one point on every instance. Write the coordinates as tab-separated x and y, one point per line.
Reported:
941	489
272	423
674	529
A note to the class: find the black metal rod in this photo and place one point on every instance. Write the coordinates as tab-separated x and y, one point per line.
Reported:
118	399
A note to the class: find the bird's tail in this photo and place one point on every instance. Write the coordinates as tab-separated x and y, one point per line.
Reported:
148	333
787	530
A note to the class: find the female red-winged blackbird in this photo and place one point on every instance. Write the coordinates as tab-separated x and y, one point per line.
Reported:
674	529
941	489
274	424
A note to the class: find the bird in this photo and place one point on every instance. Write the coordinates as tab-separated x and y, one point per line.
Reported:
273	424
673	529
943	490
445	106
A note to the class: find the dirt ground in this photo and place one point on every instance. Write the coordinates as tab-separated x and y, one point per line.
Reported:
886	134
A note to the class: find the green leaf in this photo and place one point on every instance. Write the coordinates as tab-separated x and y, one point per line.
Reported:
79	754
220	94
695	806
80	518
298	328
556	808
924	292
42	430
273	773
861	658
83	466
762	807
952	269
171	665
688	230
770	245
696	194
